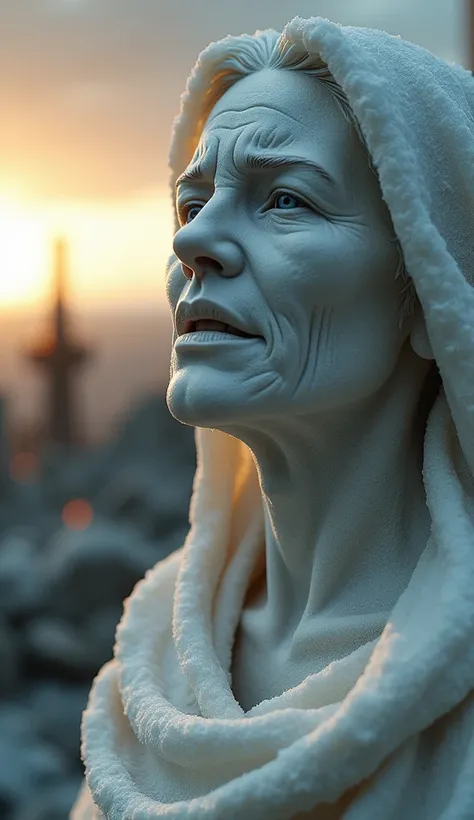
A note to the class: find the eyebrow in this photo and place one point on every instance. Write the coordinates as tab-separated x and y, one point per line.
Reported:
261	162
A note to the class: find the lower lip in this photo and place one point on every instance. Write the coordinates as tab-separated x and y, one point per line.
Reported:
201	337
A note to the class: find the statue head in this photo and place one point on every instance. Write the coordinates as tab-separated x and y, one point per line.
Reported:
290	288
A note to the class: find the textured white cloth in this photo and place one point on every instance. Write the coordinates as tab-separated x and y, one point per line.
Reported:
388	731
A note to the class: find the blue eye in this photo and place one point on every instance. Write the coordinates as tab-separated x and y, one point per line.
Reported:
190	210
284	201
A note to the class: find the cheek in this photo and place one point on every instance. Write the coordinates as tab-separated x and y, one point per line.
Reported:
362	340
350	354
334	305
332	266
305	264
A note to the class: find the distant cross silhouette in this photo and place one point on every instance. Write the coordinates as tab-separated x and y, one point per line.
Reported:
60	357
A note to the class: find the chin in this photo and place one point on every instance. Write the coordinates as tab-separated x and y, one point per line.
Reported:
197	404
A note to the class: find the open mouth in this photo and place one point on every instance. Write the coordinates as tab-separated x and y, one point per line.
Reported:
212	324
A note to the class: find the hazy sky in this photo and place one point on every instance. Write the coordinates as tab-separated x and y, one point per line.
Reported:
89	90
90	87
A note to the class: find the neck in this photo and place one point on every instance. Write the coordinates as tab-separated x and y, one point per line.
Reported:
344	501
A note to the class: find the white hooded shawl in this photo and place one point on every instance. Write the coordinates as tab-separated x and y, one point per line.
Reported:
388	731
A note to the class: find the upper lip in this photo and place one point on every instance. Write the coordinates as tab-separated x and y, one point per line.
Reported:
187	313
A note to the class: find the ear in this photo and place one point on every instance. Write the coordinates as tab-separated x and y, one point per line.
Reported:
419	340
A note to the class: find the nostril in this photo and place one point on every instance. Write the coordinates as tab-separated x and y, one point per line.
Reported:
204	263
188	272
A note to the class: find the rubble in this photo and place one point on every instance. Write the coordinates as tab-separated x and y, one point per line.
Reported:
62	585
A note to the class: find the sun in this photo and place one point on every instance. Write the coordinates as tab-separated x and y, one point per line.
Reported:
22	253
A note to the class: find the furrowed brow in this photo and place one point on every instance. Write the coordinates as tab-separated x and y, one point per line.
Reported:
193	174
264	161
261	162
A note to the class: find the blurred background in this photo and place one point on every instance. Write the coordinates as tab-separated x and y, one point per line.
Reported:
95	475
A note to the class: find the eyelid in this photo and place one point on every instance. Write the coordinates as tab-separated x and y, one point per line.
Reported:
290	193
306	203
186	204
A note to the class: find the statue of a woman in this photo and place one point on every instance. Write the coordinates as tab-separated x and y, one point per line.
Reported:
309	652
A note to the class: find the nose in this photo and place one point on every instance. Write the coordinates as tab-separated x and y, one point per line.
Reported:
201	250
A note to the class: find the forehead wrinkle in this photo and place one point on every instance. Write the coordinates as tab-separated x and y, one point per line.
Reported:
247	108
277	138
262	139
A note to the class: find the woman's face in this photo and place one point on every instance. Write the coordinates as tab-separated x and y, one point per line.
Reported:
284	235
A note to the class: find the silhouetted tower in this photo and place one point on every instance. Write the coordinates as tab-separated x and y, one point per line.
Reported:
60	357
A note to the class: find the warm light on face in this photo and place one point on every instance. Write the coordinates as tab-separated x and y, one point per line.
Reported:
23	250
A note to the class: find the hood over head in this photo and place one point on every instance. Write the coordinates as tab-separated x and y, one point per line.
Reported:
163	734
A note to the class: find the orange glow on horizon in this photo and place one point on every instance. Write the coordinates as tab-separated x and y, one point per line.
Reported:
118	250
23	252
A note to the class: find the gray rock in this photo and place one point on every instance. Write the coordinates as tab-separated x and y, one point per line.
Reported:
62	592
9	660
56	712
150	430
28	765
59	647
95	569
22	576
51	805
140	494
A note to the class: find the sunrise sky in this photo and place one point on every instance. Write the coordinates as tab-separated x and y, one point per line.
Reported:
89	90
